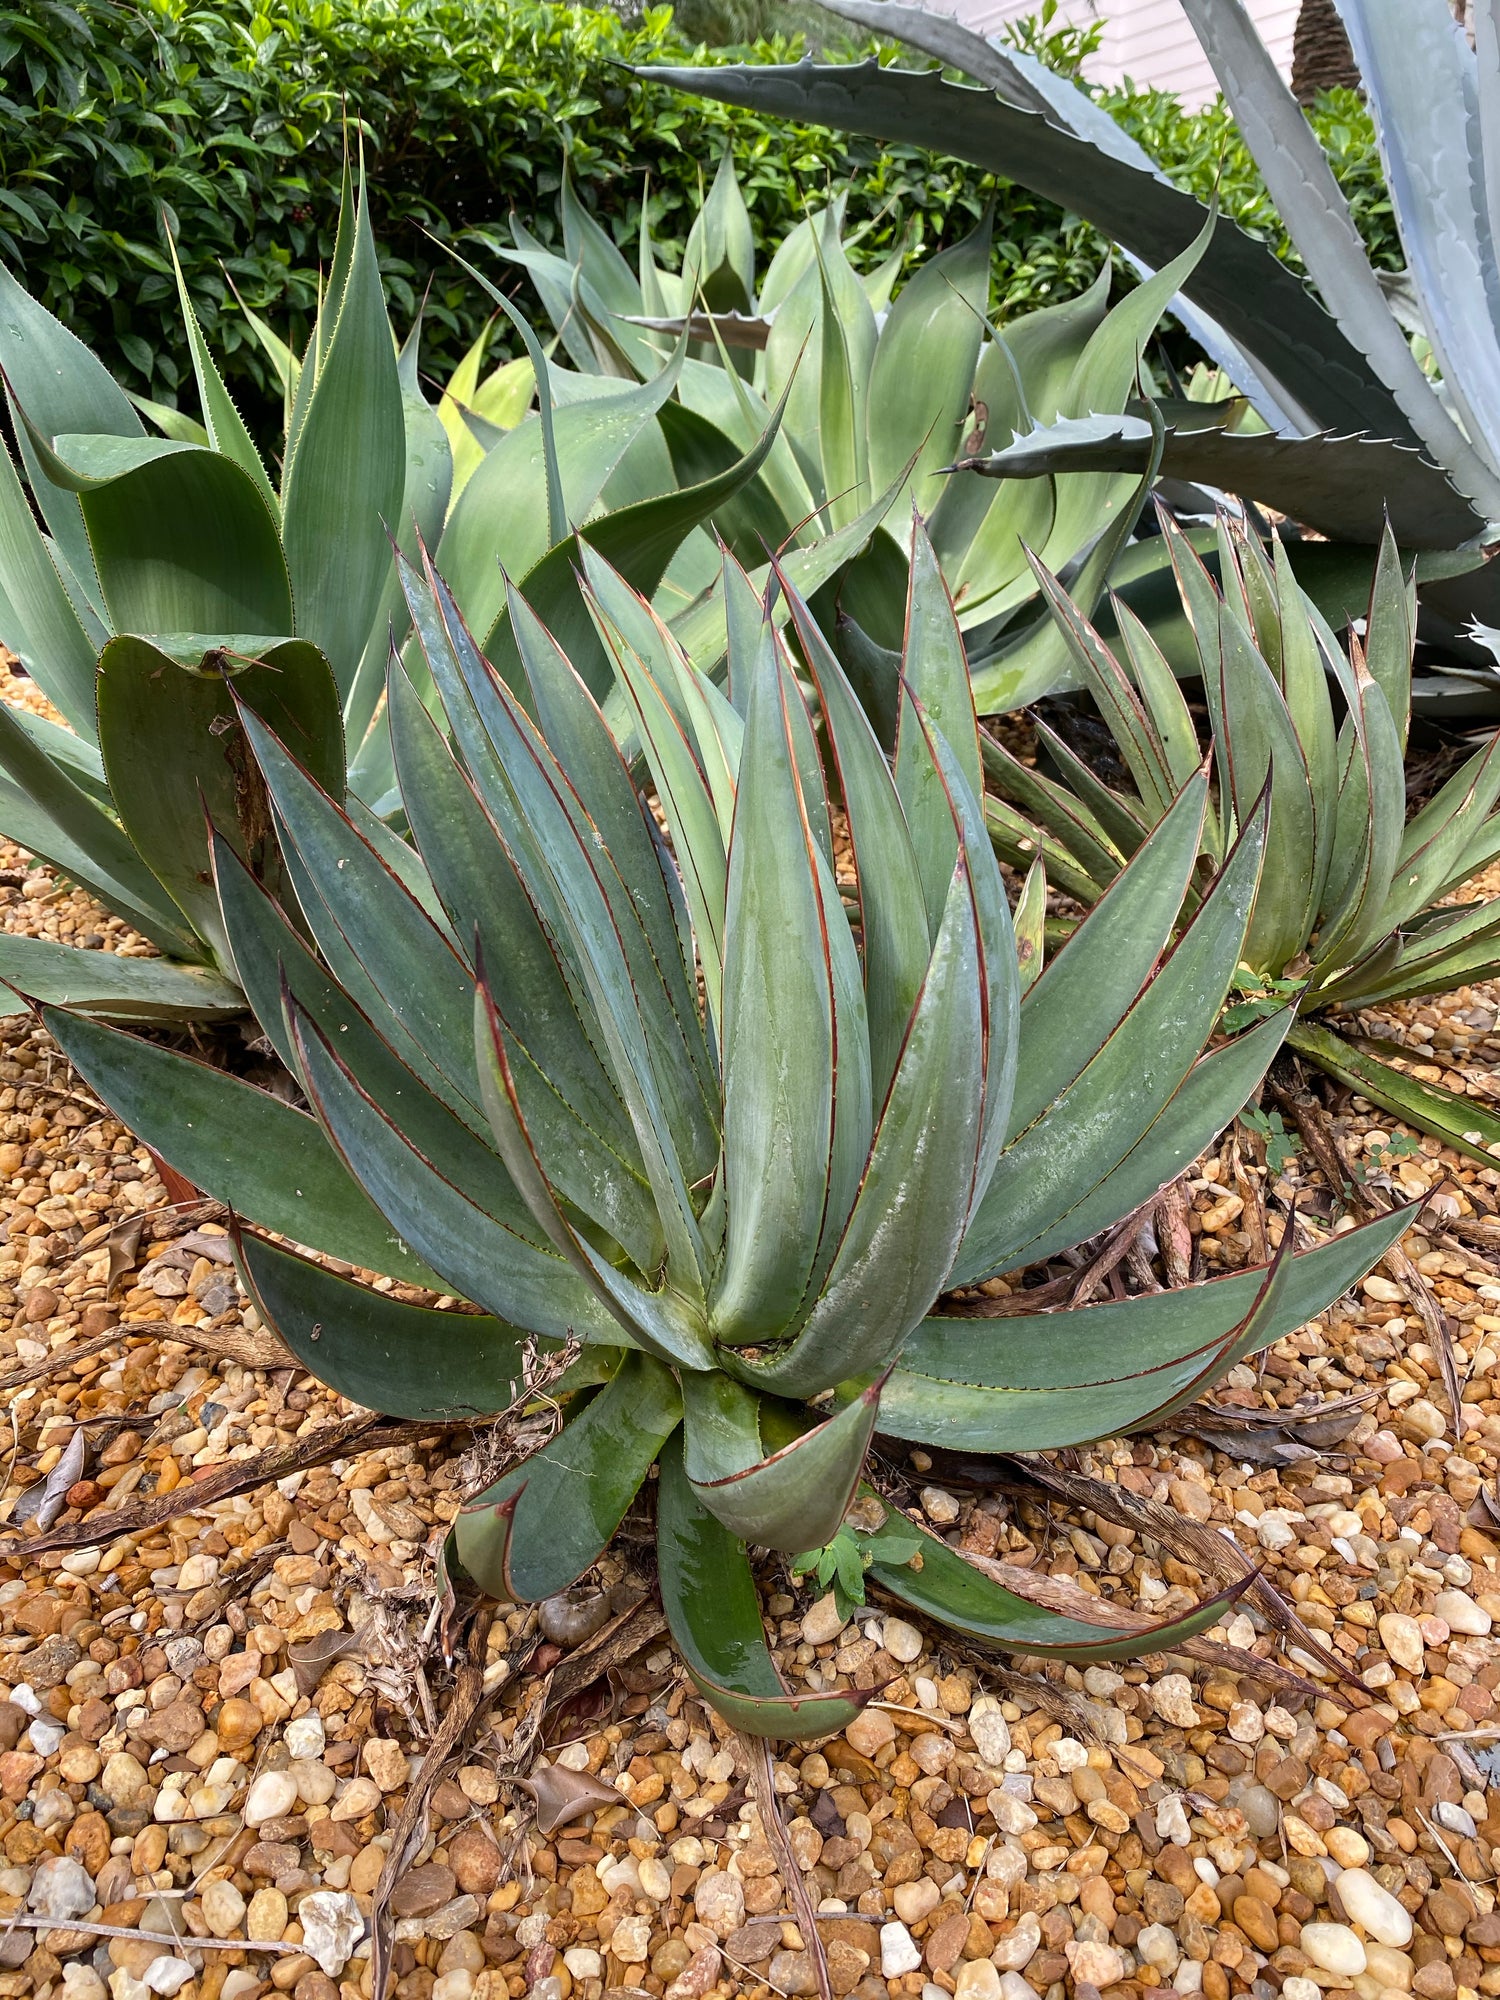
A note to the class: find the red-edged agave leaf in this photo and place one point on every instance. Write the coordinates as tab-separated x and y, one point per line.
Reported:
549	1520
404	1360
791	1499
661	1322
1458	1121
709	1597
949	1589
1046	1379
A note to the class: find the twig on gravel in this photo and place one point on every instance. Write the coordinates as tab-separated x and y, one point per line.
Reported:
763	1784
189	1943
411	1828
240	1475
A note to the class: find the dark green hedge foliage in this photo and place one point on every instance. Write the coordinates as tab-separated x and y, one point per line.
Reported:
225	123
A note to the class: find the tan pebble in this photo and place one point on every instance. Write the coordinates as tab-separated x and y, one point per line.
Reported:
385	1761
915	1900
822	1622
1100	1964
1348	1848
1172	1698
902	1641
359	1796
223	1908
266	1918
239	1723
1401	1637
364	1870
869	1732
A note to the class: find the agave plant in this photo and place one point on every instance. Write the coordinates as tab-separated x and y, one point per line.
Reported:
884	389
640	1055
1352	908
1354	422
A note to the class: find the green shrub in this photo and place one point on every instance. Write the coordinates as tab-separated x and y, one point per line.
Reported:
225	124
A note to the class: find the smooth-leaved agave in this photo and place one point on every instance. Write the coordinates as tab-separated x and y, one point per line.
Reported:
645	1046
1351	912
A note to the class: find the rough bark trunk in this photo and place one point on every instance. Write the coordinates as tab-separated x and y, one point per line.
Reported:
1321	57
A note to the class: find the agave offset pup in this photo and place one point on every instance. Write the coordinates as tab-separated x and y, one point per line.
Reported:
1351	911
729	1121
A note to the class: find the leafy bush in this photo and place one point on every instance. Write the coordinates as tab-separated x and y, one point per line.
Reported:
225	125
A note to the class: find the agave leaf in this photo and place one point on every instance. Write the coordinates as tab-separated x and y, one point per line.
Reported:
346	467
1391	631
1168	720
1092	983
1080	854
563	1077
665	1326
789	1499
959	1384
252	1151
150	991
1368	830
404	1360
41	623
91	847
893	917
225	571
174	753
957	1593
1346	486
924	366
709	1597
380	943
719	261
553	1516
1260	303
1121	817
1437	839
493	1254
223	423
1048	1172
913	1203
1030	920
778	1034
1459	1122
1420	77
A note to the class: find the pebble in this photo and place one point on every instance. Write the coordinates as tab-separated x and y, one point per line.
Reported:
902	1641
1401	1637
332	1925
1374	1909
899	1952
1172	1698
977	1979
990	1730
223	1908
822	1622
719	1900
1334	1947
60	1888
167	1975
1019	1947
271	1796
1461	1614
1100	1964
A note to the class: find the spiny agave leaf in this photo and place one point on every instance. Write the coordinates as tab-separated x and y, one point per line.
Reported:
1459	1122
551	1518
174	752
709	1597
663	1325
244	1147
735	329
404	1360
41	623
1339	484
492	1253
346	466
90	845
226	571
1034	1377
959	1594
909	1217
934	663
224	424
151	991
791	1499
1097	976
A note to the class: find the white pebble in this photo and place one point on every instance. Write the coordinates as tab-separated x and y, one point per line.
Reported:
1374	1909
167	1975
1335	1948
1458	1612
898	1951
902	1641
272	1796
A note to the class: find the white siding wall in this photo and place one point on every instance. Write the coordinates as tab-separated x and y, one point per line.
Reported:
1147	40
